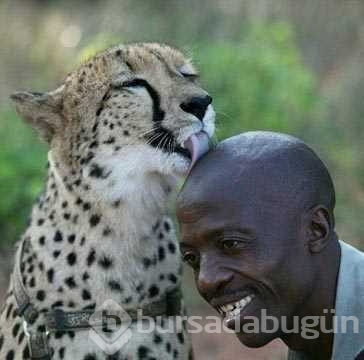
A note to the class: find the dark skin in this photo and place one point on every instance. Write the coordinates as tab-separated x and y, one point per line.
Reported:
256	218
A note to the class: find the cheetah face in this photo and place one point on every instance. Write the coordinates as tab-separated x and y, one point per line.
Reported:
153	108
136	107
131	116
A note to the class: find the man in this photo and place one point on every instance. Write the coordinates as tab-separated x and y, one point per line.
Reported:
257	226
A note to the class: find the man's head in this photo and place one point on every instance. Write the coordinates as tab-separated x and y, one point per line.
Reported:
256	219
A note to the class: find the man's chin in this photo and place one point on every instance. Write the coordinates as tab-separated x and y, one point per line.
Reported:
255	340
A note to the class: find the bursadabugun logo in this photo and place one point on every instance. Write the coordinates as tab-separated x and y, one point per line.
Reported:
110	327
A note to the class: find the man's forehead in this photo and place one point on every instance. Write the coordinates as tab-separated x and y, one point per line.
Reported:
228	200
242	183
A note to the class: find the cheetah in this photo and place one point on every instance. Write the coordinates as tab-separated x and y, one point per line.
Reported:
122	130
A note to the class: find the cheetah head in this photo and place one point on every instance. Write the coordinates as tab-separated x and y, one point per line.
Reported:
132	116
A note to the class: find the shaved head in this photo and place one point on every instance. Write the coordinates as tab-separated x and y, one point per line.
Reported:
281	167
257	227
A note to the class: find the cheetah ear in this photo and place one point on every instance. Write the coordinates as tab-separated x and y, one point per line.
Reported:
42	110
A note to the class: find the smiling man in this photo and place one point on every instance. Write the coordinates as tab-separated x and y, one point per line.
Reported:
257	226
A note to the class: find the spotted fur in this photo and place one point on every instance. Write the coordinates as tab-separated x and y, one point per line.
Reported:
100	230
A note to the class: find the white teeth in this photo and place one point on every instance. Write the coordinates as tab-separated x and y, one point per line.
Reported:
234	309
226	308
235	312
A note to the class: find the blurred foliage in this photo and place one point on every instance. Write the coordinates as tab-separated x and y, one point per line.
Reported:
98	43
257	83
22	159
285	65
258	80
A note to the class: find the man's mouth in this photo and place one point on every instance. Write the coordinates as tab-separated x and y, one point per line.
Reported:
233	309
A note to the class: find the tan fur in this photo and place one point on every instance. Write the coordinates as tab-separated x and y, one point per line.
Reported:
102	220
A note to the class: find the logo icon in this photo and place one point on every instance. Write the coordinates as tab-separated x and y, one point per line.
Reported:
110	327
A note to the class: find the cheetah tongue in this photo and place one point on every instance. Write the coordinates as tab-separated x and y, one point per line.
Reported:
197	144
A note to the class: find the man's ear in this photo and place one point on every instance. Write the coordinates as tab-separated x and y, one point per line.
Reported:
319	226
42	110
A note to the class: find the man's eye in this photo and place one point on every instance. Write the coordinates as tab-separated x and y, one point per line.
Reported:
190	258
230	244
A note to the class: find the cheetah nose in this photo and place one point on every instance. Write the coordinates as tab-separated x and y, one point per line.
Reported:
197	105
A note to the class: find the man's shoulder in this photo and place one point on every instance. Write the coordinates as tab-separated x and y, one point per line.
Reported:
350	249
348	339
352	261
350	285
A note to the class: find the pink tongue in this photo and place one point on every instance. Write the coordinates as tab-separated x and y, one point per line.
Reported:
197	144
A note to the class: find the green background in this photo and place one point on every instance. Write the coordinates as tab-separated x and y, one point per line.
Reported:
285	68
283	65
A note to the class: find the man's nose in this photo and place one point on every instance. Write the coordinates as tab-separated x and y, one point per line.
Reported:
197	105
211	280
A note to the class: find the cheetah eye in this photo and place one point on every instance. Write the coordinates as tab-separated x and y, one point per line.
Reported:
134	83
129	83
190	76
187	71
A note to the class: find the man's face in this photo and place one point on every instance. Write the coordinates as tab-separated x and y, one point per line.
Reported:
247	251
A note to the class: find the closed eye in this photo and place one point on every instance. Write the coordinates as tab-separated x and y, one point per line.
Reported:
136	82
188	72
130	83
158	113
190	76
